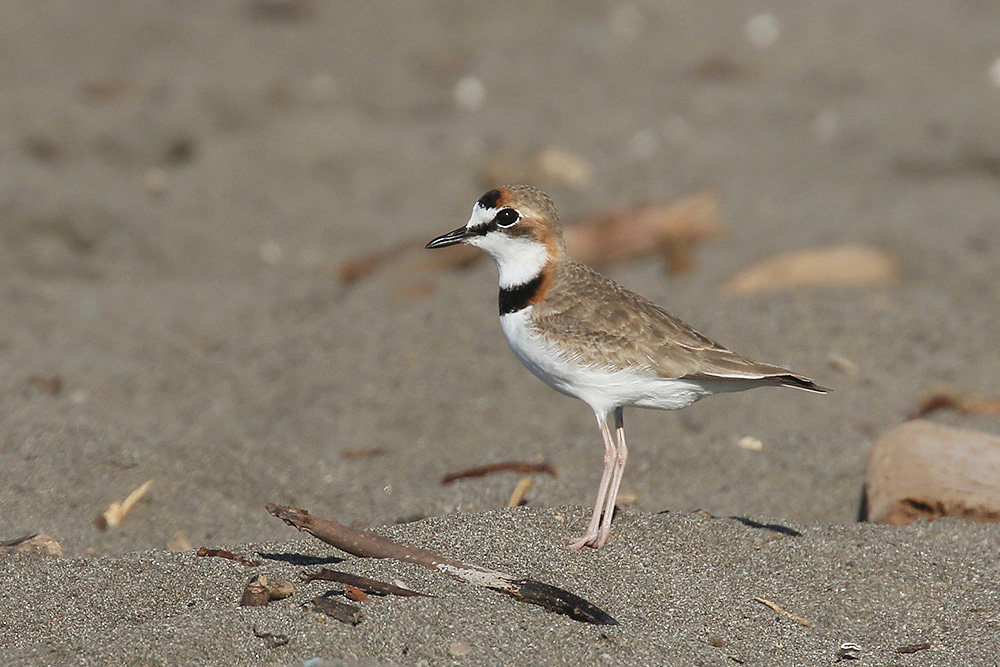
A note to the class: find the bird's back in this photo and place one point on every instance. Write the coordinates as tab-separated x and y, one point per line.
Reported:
601	323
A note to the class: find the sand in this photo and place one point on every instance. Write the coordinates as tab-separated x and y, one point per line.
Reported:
180	181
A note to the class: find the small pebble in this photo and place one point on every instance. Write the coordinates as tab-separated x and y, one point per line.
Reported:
470	93
322	88
843	364
676	129
156	181
625	20
459	649
762	30
644	144
825	125
994	73
270	252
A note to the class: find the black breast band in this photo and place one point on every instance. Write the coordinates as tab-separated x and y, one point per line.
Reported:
513	299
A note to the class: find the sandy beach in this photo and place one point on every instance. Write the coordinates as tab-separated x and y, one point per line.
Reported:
181	183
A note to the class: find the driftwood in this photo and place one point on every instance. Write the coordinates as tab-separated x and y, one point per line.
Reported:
847	265
923	470
369	545
946	398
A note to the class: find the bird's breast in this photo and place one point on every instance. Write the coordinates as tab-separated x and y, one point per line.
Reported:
602	387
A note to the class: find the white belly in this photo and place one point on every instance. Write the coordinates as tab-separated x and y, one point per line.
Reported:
603	388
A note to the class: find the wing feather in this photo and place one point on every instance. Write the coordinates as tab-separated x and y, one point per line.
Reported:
602	323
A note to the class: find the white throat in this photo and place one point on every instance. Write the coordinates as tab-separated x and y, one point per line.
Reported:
519	260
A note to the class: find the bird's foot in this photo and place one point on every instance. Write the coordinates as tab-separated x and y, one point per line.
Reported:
588	539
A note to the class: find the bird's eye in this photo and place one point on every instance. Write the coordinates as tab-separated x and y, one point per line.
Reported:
506	217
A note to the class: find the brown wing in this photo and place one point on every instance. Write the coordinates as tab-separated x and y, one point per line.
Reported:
599	321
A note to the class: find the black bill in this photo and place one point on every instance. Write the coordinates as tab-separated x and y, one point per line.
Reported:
451	238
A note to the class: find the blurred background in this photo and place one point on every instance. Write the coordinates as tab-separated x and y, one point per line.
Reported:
182	183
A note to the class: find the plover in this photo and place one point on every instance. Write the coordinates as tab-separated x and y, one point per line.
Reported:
587	336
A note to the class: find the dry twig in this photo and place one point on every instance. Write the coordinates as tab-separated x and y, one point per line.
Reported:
787	614
205	552
520	492
369	545
522	467
365	584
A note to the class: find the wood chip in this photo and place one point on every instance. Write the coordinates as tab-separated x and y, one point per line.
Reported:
262	589
179	542
843	364
52	386
563	166
279	589
550	165
117	511
913	648
672	231
255	594
345	613
846	265
363	453
354	593
38	545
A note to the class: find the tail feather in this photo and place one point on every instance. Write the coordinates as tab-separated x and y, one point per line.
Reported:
799	382
777	379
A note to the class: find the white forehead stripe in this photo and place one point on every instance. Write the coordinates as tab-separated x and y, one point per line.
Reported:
481	216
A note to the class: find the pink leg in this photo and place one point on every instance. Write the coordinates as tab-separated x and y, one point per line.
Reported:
589	538
616	480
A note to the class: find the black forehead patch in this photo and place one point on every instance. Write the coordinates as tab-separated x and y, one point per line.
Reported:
490	199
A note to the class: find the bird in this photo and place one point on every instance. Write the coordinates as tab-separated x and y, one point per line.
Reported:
588	337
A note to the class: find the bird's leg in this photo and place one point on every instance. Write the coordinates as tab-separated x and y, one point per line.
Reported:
621	456
589	538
